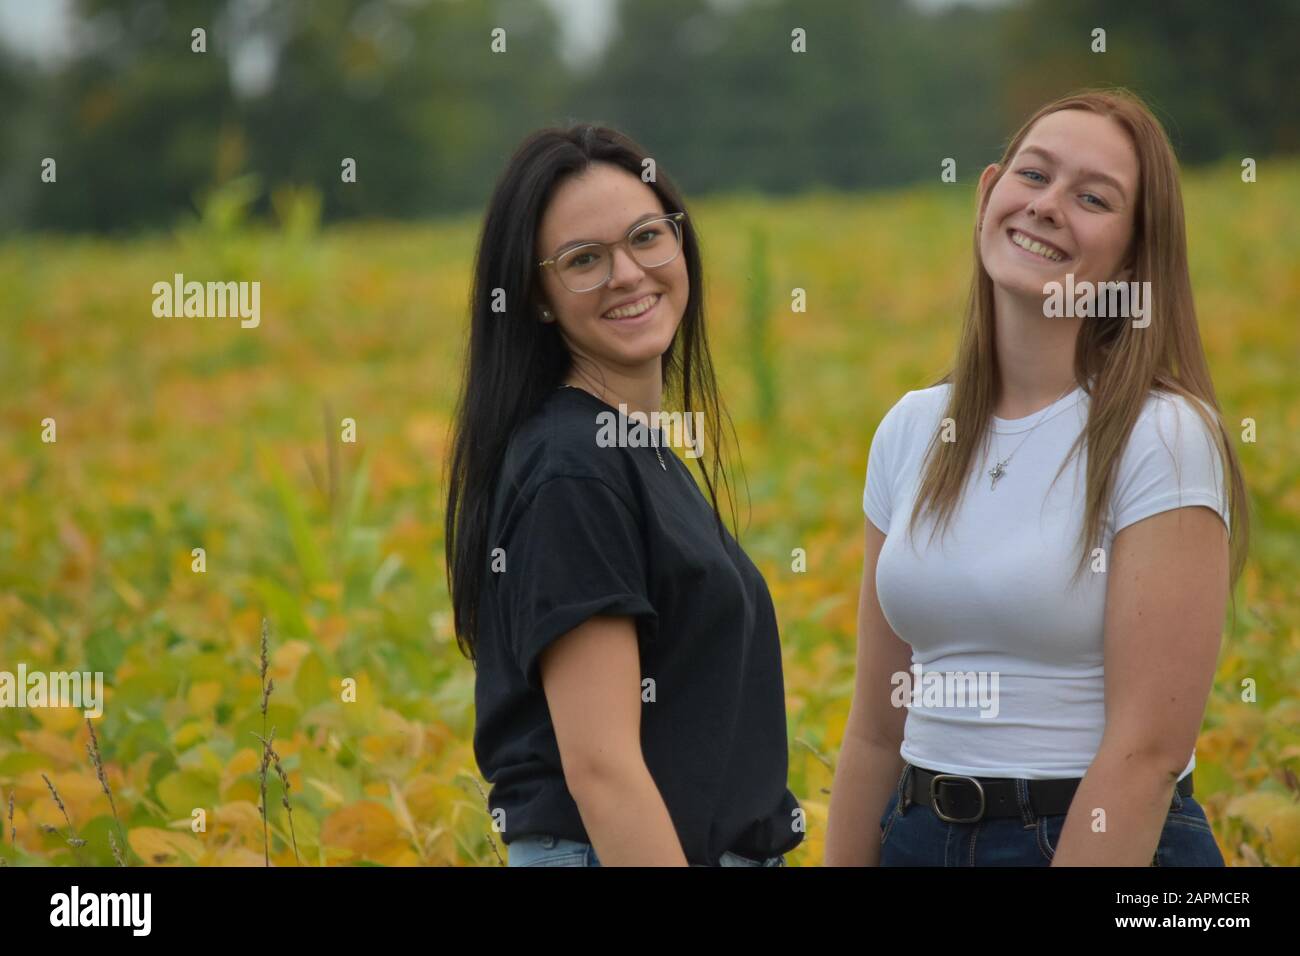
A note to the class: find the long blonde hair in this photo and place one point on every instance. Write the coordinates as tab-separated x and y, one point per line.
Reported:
1117	365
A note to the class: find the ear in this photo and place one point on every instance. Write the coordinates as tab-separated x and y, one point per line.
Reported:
986	179
543	311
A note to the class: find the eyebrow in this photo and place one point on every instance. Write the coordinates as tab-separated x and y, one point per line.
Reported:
1087	173
635	222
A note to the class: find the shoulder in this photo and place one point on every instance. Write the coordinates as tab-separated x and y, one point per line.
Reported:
560	441
907	428
1172	459
926	401
1173	423
897	446
917	413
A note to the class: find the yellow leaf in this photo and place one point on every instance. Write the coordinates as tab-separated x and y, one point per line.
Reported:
286	658
243	762
61	719
203	696
189	734
1275	819
55	746
238	816
421	795
79	792
331	794
158	847
233	856
366	828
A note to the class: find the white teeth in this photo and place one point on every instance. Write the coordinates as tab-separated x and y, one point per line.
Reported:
1024	242
633	310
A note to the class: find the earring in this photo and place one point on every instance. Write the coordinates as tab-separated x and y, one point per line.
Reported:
546	315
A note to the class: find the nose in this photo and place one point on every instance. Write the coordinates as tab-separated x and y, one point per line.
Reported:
1047	206
624	271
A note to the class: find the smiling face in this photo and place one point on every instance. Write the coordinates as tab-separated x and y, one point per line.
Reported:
603	326
1065	204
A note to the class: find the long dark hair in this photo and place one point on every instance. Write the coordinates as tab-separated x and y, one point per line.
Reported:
514	361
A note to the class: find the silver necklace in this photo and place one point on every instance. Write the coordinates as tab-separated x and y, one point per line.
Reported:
1000	469
656	444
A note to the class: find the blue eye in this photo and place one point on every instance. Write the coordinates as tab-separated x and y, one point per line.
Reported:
1100	202
1033	172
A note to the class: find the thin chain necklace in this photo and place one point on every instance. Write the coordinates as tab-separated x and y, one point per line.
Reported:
1000	469
656	444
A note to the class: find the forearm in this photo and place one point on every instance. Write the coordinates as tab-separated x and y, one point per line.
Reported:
1133	795
626	818
865	777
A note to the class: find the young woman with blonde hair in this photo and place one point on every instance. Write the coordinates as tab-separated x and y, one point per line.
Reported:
1053	529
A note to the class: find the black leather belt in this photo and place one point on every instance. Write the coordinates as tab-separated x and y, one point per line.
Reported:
960	799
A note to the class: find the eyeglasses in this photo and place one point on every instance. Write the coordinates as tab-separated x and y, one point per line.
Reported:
585	268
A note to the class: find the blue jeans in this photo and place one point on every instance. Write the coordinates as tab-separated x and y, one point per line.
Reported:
911	834
557	851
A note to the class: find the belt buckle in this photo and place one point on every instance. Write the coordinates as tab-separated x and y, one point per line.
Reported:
934	798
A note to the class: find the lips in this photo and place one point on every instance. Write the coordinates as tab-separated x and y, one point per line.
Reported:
1036	246
633	309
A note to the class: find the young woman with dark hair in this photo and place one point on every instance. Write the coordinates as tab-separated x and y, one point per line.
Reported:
630	706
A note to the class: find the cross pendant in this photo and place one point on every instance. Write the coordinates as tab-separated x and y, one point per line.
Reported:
995	473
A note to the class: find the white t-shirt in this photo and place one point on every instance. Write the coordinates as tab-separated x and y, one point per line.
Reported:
992	599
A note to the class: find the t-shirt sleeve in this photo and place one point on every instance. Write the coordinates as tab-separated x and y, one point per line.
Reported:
878	495
576	551
1171	461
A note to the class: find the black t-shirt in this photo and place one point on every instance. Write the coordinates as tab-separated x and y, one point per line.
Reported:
589	530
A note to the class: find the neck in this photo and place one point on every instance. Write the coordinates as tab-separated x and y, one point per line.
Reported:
1035	355
640	389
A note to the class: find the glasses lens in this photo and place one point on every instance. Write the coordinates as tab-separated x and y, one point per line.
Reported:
583	268
655	243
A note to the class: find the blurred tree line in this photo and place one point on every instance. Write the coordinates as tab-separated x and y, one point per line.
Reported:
140	126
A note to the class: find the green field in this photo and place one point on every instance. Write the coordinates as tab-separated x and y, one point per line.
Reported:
175	434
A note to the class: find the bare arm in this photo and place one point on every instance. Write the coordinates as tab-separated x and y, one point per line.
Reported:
869	762
592	680
1165	600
